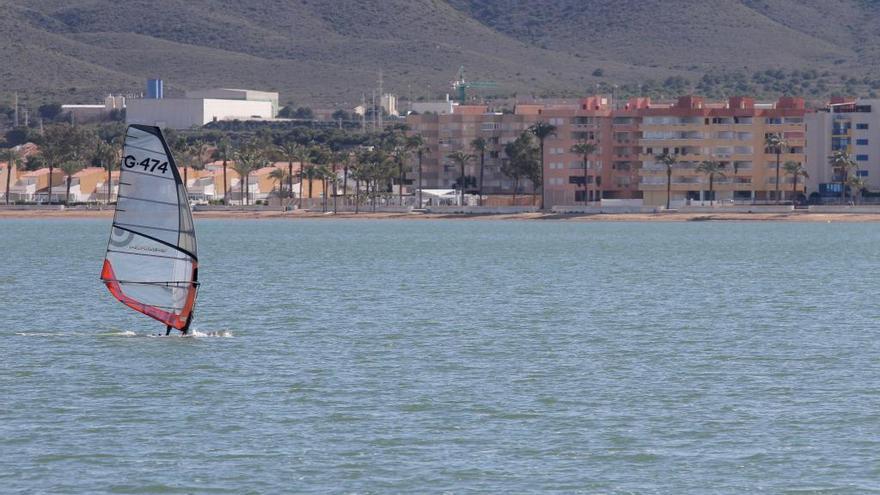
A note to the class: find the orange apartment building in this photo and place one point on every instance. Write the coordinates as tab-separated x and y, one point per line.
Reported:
732	133
627	140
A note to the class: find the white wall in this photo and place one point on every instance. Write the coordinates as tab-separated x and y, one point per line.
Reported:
174	113
236	109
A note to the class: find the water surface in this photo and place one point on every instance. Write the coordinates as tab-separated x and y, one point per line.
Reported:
450	356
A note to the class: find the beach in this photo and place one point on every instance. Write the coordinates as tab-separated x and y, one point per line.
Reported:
794	216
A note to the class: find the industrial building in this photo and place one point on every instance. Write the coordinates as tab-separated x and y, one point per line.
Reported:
200	107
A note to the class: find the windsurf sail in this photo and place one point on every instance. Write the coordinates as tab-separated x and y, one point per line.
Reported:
151	264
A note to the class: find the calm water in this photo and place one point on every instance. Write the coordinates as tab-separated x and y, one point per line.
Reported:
450	356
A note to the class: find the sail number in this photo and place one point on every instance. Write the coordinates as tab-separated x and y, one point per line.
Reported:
149	164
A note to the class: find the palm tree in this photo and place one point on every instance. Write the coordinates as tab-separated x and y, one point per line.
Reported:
461	158
479	145
69	167
795	170
669	160
302	154
777	145
522	157
843	164
711	168
224	152
856	183
542	130
417	143
247	159
278	176
585	149
107	155
54	150
288	150
11	160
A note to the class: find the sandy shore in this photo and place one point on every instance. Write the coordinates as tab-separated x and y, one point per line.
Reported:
604	217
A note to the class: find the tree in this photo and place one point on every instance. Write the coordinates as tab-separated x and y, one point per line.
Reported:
417	144
66	144
224	152
279	176
842	164
856	183
12	158
461	158
585	149
249	158
711	168
669	160
542	131
69	167
522	156
777	145
479	145
49	111
288	151
303	154
795	170
106	155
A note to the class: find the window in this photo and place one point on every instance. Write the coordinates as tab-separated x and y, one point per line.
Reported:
862	126
862	142
862	173
861	158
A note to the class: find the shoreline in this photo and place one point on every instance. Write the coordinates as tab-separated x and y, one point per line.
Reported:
579	217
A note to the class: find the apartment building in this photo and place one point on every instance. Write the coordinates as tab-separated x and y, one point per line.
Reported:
732	133
848	125
627	139
447	133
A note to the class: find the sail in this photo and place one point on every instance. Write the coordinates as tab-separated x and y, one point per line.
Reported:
151	263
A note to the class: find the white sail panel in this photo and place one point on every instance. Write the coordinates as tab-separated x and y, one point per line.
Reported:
151	264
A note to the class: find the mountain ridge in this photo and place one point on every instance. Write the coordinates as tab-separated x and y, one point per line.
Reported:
330	52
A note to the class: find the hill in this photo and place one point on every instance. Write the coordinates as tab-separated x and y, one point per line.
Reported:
329	52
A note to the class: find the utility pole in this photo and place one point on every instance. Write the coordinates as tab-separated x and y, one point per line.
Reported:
26	117
380	100
364	113
373	107
16	110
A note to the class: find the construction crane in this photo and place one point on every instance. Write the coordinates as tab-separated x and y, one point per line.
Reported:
460	86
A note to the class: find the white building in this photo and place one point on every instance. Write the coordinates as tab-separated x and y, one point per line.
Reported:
853	127
442	107
389	104
201	107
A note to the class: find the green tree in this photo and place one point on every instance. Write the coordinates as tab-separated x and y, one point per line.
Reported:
461	159
249	158
795	170
857	184
542	130
288	151
777	145
279	176
711	168
522	155
224	152
668	160
842	165
12	158
479	146
585	149
416	144
106	154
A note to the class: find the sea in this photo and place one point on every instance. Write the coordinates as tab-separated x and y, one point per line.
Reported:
450	356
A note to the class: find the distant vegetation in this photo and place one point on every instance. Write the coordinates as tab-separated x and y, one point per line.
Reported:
327	53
